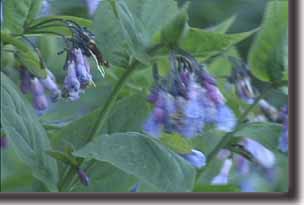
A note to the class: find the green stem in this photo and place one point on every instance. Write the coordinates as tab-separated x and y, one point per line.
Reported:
226	138
102	116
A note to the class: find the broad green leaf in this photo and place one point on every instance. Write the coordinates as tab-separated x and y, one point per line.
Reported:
25	54
143	157
127	115
216	188
54	26
268	55
147	19
18	12
175	30
15	175
64	157
223	26
105	177
203	44
266	133
177	143
26	135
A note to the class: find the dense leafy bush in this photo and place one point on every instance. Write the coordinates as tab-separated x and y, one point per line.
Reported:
144	96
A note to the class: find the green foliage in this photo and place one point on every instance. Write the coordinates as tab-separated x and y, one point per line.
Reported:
105	177
268	55
128	115
25	55
125	35
223	26
216	188
19	12
203	44
143	157
132	35
28	137
177	143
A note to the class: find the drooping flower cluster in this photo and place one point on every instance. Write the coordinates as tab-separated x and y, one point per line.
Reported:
37	86
283	141
241	78
79	48
78	74
185	101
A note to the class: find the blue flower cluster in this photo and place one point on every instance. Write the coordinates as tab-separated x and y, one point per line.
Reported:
78	74
36	86
185	101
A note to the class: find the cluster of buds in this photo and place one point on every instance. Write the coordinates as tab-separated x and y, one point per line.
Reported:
37	86
241	78
186	100
79	48
78	74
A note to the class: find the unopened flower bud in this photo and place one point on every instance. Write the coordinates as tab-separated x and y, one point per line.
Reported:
223	176
50	83
71	83
3	142
260	153
82	69
83	177
40	101
25	78
135	187
195	158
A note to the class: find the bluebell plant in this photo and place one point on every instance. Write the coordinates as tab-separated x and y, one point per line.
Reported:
185	101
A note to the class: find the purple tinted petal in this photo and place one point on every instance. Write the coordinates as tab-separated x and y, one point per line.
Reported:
226	120
92	6
50	83
152	127
83	177
260	153
25	78
3	142
40	102
195	158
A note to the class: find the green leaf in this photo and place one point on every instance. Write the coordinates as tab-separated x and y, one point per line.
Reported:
144	158
177	143
266	133
224	26
145	19
25	133
25	55
216	188
105	177
18	12
127	115
55	25
175	30
15	175
63	157
204	44
268	55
